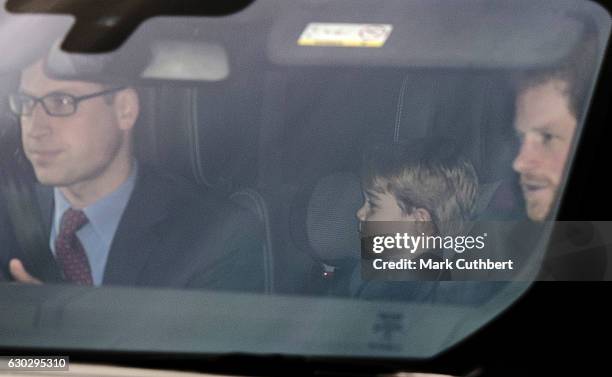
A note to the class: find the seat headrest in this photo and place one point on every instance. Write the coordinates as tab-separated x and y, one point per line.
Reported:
323	218
474	109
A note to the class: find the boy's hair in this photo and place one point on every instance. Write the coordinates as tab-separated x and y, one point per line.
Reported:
427	173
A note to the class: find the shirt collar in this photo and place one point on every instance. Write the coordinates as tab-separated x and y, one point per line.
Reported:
104	214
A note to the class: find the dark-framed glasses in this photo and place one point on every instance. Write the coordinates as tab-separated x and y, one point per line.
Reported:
56	104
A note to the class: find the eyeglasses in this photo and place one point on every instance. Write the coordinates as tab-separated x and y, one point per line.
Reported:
55	104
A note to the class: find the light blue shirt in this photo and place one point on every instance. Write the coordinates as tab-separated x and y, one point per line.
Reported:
104	215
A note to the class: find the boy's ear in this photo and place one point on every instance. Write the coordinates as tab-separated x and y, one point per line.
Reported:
421	214
424	221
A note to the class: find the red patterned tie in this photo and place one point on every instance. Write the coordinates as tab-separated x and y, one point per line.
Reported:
69	252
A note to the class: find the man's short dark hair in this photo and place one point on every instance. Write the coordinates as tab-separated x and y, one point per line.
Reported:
428	173
575	71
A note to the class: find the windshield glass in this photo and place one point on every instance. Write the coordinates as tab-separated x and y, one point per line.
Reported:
326	178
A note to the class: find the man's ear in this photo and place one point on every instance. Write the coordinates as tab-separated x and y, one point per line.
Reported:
127	107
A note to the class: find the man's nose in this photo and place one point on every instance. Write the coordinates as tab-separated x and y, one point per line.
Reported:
38	123
527	157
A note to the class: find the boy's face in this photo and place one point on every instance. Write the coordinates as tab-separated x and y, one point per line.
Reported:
381	206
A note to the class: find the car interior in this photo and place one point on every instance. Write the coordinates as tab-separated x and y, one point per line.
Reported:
280	129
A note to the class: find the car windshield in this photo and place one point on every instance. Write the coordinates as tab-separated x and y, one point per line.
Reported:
324	178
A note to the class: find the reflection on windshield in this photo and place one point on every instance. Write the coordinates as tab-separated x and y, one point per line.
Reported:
358	166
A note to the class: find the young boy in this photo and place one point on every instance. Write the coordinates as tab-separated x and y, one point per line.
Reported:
431	188
423	180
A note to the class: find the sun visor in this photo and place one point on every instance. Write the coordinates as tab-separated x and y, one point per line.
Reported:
116	65
504	34
159	50
179	60
164	59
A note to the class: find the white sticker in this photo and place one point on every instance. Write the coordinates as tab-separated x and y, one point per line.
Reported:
345	34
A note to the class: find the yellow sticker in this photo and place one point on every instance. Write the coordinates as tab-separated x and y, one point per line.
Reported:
345	34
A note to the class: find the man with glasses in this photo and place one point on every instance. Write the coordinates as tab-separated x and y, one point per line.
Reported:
110	219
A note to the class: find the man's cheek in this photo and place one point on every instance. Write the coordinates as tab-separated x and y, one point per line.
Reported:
558	165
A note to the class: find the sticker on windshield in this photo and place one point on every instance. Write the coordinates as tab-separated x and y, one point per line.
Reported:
345	34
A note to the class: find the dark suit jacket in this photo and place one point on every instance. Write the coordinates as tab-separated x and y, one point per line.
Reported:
171	235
